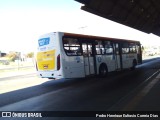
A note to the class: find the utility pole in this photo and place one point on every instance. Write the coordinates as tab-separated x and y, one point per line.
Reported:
18	59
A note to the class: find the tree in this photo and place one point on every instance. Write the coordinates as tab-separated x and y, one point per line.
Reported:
12	55
30	55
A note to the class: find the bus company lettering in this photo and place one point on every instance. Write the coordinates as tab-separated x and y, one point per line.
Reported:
44	41
42	48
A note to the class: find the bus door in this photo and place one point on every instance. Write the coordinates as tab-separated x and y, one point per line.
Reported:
118	56
89	61
139	53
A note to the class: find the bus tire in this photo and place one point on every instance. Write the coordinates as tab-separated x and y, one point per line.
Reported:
134	64
103	70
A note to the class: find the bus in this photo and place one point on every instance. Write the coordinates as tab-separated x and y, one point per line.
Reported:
70	55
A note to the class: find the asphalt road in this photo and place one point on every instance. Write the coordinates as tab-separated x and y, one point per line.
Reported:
116	92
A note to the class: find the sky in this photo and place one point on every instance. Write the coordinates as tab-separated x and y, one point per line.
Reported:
23	21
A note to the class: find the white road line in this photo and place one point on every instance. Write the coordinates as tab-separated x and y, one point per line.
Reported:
132	104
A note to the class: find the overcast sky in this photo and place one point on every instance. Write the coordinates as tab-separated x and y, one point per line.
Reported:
23	21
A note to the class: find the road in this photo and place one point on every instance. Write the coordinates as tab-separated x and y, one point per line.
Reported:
117	92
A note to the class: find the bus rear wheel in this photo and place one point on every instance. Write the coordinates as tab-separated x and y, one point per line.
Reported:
103	70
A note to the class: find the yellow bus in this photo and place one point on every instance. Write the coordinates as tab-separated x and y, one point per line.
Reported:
69	55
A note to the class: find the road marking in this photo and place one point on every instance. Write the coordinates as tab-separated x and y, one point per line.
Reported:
132	104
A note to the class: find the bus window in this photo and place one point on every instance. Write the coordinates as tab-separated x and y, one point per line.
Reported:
99	48
108	47
132	47
72	46
87	49
98	52
138	49
84	48
90	49
125	48
117	49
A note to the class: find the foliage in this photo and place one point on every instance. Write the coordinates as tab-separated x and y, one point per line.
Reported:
30	55
13	56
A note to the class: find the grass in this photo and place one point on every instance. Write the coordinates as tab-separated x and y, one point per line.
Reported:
15	66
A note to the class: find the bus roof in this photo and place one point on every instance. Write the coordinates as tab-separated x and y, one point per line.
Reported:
97	37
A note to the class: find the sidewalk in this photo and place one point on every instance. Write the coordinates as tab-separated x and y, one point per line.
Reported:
151	96
149	57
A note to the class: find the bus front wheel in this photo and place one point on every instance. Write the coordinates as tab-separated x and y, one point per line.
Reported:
103	70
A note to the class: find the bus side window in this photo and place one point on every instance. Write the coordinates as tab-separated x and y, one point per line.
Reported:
72	46
138	49
108	48
100	48
125	48
84	49
98	52
90	50
117	49
79	51
132	47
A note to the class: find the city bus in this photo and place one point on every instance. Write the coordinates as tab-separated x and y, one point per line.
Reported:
70	55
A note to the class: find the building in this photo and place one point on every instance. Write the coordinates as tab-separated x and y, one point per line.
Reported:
2	54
